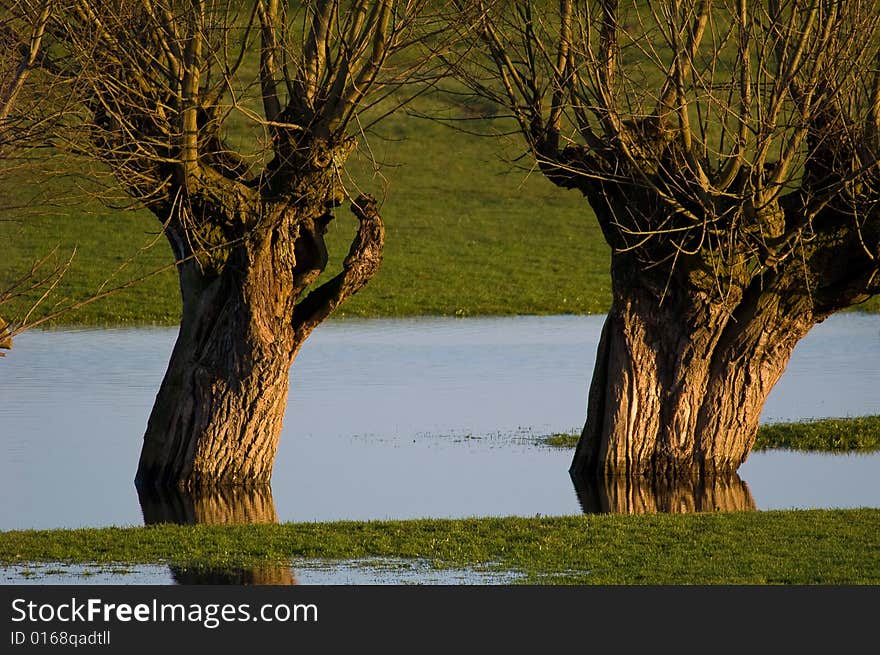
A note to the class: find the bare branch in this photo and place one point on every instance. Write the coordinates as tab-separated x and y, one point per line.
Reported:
268	13
361	264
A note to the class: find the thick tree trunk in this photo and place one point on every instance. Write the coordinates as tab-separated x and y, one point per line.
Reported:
218	414
716	275
680	381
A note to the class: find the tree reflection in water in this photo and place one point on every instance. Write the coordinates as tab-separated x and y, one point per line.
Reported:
237	505
646	495
244	505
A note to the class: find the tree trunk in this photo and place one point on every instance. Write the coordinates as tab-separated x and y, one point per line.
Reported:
218	414
681	379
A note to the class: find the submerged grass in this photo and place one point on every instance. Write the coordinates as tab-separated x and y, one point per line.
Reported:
562	439
830	434
792	547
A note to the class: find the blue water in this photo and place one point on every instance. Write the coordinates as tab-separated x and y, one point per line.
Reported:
395	419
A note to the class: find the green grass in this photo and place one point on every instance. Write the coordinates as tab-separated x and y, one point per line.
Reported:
468	233
831	434
470	230
562	439
107	250
794	547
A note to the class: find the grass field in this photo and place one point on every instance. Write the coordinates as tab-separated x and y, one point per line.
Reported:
796	547
469	232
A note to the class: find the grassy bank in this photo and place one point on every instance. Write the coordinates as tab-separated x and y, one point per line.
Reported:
795	547
831	434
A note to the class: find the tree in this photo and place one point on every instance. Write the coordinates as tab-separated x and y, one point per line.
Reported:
23	46
22	50
729	150
232	123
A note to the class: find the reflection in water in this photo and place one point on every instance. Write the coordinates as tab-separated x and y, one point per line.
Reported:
215	507
646	495
212	507
266	574
416	391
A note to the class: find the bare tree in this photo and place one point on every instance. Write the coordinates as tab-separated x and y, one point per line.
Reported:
232	123
729	150
35	284
22	49
25	115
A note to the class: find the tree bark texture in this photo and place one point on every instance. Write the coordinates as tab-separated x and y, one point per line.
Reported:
218	414
679	385
693	345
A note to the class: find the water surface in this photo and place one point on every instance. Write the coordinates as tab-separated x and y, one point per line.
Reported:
303	572
395	419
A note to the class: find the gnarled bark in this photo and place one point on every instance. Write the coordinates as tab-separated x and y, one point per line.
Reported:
680	383
683	371
731	154
218	414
